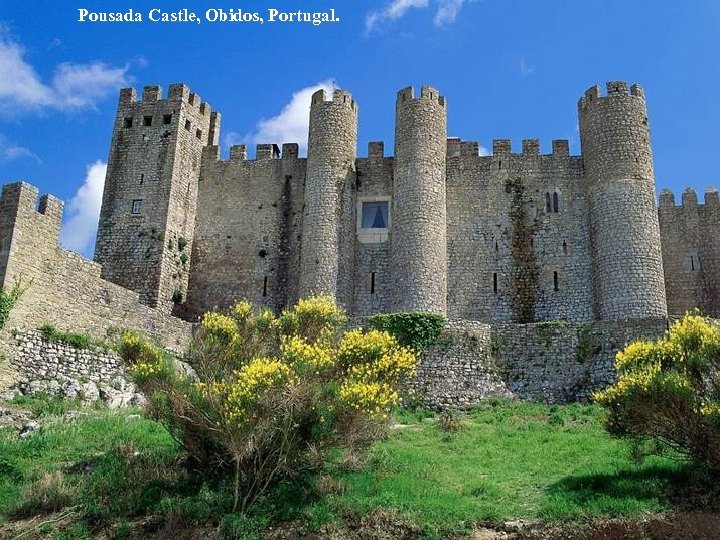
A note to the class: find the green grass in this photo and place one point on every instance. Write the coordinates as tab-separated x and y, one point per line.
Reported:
509	461
506	461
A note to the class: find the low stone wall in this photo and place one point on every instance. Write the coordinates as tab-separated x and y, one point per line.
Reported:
459	374
554	362
559	362
61	369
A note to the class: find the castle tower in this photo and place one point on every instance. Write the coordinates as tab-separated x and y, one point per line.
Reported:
332	148
627	270
148	211
418	218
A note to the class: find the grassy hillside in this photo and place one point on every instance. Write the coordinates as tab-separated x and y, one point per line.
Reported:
120	475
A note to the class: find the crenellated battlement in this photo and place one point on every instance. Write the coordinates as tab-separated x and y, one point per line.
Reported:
612	89
530	147
427	93
20	199
177	92
338	98
689	199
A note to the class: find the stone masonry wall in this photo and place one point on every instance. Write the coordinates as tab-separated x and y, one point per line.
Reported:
63	288
691	252
554	362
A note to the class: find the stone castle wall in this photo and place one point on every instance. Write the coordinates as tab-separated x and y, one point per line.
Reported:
554	362
63	288
691	252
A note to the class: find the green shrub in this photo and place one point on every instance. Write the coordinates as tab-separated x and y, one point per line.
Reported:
9	297
417	330
79	341
182	243
667	396
272	395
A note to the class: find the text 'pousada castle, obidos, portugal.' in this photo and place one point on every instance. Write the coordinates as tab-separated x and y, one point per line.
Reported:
508	237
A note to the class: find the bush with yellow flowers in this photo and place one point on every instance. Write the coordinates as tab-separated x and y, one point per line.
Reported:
667	396
272	394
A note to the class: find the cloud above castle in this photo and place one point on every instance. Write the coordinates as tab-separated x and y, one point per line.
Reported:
72	86
447	11
81	218
289	125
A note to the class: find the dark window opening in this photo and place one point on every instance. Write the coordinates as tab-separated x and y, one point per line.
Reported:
198	134
188	125
265	286
500	164
692	262
372	283
147	121
142	179
167	119
565	249
548	203
495	283
137	206
374	215
128	122
555	281
556	203
532	242
496	247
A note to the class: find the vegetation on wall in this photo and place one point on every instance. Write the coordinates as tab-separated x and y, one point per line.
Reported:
9	297
524	273
416	330
77	340
667	397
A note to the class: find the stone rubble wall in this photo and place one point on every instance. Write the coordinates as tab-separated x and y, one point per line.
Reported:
63	370
556	362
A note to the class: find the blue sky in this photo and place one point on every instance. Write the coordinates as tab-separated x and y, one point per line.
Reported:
509	69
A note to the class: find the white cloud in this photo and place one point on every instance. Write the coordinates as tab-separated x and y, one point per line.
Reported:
73	86
10	151
483	151
392	11
80	226
447	12
289	125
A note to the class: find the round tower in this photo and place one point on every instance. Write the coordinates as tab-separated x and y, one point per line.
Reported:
419	224
332	147
627	270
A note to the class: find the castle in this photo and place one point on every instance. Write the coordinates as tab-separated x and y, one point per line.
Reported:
545	264
437	227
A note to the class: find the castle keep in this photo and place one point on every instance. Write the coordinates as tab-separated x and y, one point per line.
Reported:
545	264
510	237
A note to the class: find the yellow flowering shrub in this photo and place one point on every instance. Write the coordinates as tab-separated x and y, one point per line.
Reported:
272	388
372	398
669	391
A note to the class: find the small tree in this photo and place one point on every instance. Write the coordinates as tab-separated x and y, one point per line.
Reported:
668	392
272	394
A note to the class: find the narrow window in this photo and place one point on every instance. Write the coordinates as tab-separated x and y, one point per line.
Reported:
188	125
532	242
128	122
556	203
565	250
555	281
496	247
147	121
142	179
495	282
198	134
265	286
548	203
137	206
692	262
167	119
500	164
372	283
